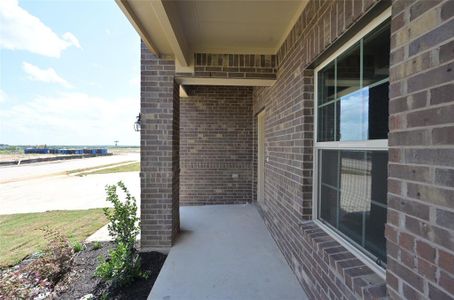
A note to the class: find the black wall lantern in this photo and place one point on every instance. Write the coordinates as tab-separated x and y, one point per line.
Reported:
137	123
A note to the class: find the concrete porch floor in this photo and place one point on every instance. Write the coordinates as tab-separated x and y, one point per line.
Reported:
225	252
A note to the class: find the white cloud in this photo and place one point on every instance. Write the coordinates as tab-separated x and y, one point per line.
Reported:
22	31
45	75
71	119
71	39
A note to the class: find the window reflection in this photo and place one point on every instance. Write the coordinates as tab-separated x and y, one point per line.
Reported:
326	84
353	92
354	116
376	56
326	122
352	195
348	72
378	111
353	183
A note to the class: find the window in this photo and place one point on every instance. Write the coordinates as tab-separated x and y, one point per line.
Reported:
351	147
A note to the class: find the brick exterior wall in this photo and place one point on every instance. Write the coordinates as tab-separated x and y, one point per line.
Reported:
420	229
325	268
321	23
215	131
159	143
246	66
216	145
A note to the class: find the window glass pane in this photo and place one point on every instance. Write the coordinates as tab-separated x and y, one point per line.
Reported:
352	196
329	167
338	118
377	176
353	105
326	123
375	231
348	72
353	200
378	111
326	84
354	116
376	47
328	204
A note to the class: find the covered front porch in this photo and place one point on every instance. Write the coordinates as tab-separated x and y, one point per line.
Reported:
225	252
227	118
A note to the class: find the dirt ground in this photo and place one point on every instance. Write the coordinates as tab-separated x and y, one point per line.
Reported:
81	281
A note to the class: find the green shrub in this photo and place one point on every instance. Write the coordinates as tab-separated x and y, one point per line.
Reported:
78	246
123	264
124	224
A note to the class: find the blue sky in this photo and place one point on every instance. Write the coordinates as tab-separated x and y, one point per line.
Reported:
69	73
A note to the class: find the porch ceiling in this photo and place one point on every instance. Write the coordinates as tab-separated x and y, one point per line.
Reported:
181	28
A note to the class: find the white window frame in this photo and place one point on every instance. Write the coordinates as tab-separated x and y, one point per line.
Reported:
381	144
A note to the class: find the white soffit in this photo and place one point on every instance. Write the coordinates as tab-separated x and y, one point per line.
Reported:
182	27
238	26
144	20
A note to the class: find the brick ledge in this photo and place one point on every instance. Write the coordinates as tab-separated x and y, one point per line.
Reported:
347	268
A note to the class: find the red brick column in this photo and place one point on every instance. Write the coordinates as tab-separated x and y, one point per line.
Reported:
420	229
159	140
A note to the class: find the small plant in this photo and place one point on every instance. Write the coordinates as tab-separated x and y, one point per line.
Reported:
97	245
56	259
123	264
124	224
78	246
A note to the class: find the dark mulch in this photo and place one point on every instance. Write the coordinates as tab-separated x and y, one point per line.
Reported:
81	280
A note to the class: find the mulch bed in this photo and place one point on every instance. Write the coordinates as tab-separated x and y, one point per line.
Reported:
80	281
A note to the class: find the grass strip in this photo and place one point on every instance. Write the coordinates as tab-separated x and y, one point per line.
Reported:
21	234
134	167
96	167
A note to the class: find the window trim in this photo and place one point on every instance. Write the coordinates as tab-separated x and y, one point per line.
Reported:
381	144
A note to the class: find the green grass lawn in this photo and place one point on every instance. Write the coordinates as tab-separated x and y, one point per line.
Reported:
87	170
20	234
133	167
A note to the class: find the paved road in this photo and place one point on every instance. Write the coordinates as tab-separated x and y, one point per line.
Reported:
37	188
28	171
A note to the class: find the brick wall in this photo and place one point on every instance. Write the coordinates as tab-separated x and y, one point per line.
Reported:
159	143
321	23
216	145
325	268
420	229
246	66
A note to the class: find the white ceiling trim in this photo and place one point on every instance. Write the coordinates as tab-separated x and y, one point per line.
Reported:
224	81
175	40
131	16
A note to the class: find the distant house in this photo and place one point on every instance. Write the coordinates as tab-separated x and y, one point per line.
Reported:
336	118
